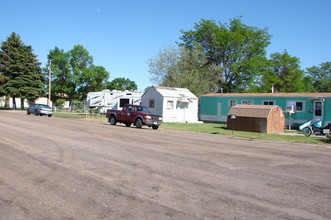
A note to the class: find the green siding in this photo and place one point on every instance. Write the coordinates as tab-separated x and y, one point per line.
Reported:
208	105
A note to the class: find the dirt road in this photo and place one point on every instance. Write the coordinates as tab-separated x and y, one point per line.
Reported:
55	168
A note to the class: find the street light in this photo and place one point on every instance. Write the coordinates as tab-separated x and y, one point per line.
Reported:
49	82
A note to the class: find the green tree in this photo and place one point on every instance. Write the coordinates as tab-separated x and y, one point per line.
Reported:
92	79
183	68
122	84
74	75
61	75
237	49
284	74
321	76
21	75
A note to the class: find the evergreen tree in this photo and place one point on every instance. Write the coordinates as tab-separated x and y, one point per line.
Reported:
21	75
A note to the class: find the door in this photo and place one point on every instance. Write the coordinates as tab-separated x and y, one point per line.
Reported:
318	109
219	109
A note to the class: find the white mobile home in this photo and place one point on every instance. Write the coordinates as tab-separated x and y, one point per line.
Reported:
115	99
174	104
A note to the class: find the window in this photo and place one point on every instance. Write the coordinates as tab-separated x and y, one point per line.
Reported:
247	102
130	109
299	106
232	102
170	104
268	102
124	101
151	103
318	108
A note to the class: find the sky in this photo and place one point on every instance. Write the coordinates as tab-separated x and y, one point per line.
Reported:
122	35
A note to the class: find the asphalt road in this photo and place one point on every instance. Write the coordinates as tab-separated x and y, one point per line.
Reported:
55	168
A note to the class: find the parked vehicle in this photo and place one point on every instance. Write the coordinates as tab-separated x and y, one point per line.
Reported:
315	127
134	114
114	99
40	109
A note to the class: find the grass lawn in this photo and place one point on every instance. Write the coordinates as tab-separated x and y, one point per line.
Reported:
212	128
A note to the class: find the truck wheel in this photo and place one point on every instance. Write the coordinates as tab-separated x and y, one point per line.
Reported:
306	131
155	127
139	123
127	124
112	120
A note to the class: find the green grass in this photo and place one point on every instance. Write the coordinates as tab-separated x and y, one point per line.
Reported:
210	128
220	129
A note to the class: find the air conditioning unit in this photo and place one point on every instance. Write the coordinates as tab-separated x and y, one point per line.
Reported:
290	108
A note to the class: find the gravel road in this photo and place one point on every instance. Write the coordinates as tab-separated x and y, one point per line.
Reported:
55	168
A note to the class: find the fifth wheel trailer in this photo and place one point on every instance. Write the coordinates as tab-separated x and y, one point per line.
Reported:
114	99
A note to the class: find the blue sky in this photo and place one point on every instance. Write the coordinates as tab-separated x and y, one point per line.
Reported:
122	35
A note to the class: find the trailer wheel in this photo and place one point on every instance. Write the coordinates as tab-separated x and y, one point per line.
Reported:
112	120
306	131
139	123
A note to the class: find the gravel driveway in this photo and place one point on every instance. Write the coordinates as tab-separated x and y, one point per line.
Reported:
55	168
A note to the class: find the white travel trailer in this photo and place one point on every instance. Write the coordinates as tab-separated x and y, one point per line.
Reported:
115	99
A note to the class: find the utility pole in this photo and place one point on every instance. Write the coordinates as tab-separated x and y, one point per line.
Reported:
49	82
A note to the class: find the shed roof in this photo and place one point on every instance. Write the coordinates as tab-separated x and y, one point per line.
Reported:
175	92
253	111
270	94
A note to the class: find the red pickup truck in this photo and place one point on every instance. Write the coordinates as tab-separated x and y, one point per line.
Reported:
137	114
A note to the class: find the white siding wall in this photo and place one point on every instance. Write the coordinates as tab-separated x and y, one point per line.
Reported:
152	94
170	108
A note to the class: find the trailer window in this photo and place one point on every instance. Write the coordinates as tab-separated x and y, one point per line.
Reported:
299	106
124	101
232	102
247	102
268	102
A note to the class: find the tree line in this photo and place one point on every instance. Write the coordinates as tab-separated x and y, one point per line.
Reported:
231	57
73	73
213	57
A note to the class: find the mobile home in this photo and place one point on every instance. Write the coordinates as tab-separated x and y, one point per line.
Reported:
298	107
114	99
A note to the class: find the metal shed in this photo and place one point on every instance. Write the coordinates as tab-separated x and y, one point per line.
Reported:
267	119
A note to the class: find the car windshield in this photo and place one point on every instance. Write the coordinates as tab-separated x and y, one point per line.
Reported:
44	106
143	109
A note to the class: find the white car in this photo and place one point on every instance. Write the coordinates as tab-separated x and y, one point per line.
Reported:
40	109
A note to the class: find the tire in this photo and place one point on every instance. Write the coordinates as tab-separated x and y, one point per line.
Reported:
36	113
112	120
139	123
307	131
27	112
155	127
128	124
49	115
